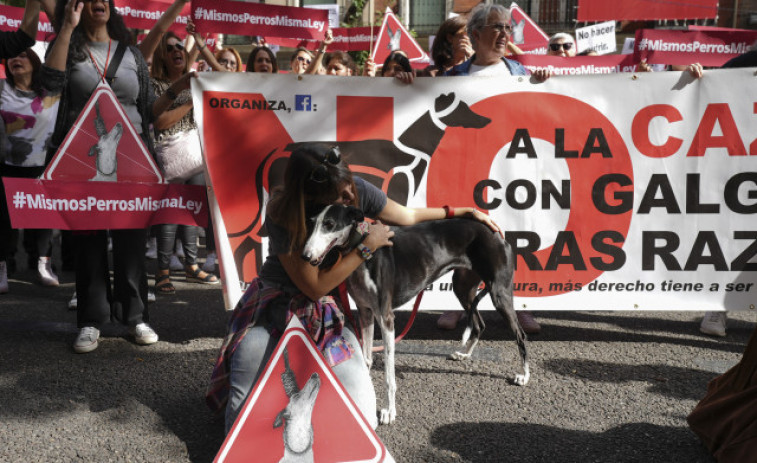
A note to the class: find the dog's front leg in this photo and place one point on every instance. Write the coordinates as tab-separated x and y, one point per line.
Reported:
389	414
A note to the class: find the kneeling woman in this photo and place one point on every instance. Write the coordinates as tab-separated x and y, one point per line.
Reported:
289	286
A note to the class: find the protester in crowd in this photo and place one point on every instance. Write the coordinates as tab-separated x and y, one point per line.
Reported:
262	59
90	37
170	63
339	63
562	44
395	63
223	60
28	108
301	60
451	46
489	31
289	286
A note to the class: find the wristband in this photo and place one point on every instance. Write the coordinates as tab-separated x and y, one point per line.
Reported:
449	212
364	251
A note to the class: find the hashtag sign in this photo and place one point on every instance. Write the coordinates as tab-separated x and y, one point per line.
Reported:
199	12
19	200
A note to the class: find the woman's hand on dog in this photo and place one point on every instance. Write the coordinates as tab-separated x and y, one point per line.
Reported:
473	213
379	235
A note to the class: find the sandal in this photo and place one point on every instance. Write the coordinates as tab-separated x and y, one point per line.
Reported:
163	284
198	276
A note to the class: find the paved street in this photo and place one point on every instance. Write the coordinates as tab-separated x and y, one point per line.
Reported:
605	386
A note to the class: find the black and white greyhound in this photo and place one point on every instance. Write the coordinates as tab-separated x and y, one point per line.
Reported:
421	254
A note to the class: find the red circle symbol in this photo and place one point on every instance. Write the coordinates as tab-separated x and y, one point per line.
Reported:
465	156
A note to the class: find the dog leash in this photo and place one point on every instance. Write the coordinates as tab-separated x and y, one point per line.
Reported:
358	331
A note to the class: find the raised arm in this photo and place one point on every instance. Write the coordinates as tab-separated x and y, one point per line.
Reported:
30	21
58	55
150	43
317	62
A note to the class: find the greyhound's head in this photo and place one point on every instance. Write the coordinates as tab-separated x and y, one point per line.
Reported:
332	228
297	415
453	112
517	36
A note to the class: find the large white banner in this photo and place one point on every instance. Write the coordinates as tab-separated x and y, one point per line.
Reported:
618	192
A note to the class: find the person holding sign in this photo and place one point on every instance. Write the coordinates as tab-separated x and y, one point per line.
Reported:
288	286
91	35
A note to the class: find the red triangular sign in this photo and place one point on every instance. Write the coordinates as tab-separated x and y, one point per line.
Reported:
527	35
103	146
340	433
393	36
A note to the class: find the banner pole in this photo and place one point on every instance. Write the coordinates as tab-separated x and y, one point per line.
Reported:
372	20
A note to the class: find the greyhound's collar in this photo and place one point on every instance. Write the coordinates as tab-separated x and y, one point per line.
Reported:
357	235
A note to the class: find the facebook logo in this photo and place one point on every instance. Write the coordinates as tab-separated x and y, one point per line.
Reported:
302	103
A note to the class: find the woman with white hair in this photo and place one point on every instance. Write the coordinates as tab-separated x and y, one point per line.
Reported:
562	44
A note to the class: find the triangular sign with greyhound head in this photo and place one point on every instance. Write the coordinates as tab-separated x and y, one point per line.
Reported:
527	35
103	145
299	407
393	36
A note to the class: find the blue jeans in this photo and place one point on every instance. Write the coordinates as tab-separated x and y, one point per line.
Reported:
256	348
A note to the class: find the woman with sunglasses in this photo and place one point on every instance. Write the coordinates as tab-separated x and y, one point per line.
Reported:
301	60
288	286
89	36
176	125
562	44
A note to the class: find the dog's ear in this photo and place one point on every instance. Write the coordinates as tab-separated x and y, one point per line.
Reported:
355	214
279	421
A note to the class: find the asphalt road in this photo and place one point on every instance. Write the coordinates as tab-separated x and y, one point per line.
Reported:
605	386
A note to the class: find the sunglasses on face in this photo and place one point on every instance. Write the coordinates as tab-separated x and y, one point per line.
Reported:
321	173
556	46
501	28
302	59
170	48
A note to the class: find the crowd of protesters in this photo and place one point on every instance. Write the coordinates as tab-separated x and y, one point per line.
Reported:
90	35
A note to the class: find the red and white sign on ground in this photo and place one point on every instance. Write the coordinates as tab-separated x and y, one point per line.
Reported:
527	35
242	18
393	36
709	48
602	10
103	177
295	379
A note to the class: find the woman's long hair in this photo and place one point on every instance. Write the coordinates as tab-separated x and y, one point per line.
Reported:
117	30
290	202
441	50
36	72
159	69
234	52
254	53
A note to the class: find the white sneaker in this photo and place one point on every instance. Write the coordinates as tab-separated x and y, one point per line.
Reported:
3	277
713	323
210	263
150	295
143	334
152	248
87	340
73	303
175	263
45	272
